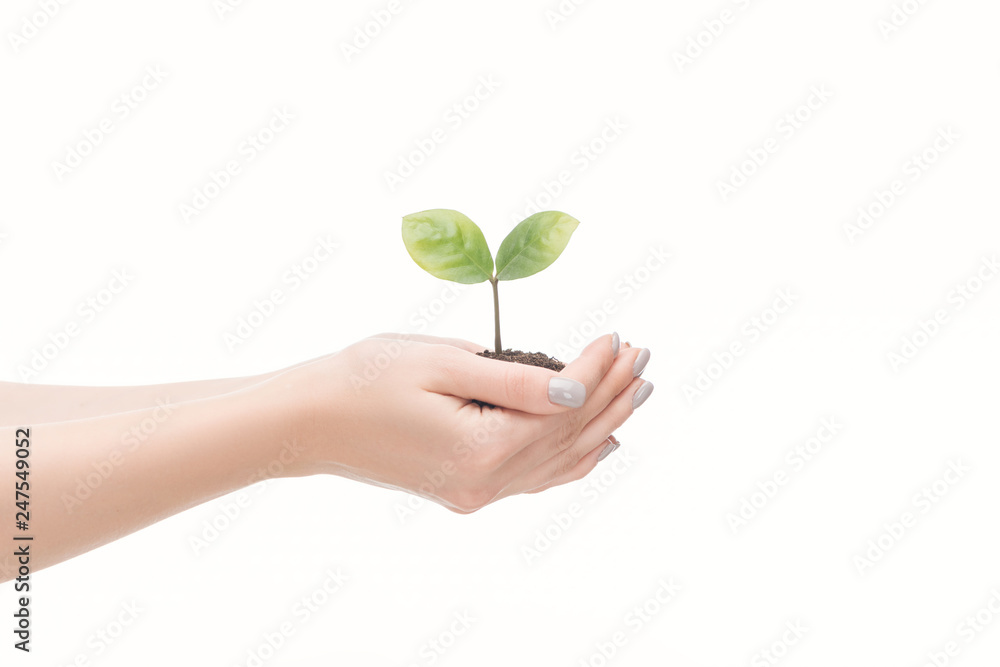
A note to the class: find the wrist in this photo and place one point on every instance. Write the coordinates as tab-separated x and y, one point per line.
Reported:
299	417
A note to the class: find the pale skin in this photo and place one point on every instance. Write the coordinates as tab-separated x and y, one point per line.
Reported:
108	461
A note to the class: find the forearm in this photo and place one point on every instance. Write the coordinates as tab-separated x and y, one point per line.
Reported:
95	480
42	404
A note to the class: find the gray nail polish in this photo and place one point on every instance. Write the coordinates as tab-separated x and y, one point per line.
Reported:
641	394
608	451
568	392
640	362
616	344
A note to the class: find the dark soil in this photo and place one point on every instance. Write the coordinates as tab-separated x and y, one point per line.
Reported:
529	358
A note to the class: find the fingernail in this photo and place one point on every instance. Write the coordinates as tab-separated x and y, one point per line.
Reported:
640	362
609	449
641	394
616	344
567	392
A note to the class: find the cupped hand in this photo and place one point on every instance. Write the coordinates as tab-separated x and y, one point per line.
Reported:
398	411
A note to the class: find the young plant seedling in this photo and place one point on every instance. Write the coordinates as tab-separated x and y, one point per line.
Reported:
450	246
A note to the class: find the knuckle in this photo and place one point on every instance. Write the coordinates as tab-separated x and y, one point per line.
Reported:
564	465
445	355
568	432
515	383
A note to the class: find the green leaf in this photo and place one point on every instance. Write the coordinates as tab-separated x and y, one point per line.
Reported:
535	243
448	245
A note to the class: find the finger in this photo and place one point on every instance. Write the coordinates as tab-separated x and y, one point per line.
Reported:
584	466
434	340
521	387
552	434
565	462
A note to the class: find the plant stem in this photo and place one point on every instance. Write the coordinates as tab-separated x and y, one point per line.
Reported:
496	314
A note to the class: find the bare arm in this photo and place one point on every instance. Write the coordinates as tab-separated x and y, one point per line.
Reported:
413	426
40	404
94	480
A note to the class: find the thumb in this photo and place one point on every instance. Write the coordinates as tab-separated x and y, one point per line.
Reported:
522	387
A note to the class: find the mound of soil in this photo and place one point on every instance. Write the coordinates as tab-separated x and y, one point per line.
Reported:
529	358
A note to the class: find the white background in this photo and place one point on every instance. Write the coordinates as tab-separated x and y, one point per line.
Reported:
687	461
